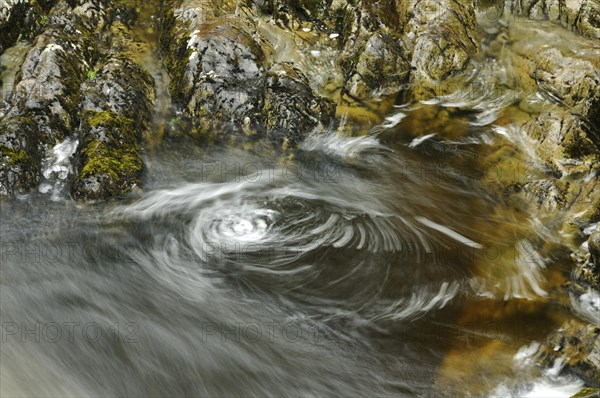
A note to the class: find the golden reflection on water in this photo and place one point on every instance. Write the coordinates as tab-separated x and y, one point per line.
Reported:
496	323
511	311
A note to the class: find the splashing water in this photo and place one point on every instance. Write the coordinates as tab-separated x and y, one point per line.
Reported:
57	167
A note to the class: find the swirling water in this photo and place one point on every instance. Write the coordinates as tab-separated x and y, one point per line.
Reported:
378	265
345	271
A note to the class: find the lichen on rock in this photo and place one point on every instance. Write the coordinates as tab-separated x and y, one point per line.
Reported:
43	106
222	75
116	109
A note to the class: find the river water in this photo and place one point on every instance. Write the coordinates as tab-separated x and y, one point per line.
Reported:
353	270
383	264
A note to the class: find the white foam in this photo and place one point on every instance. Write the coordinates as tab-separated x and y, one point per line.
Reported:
417	141
339	145
56	167
587	306
448	232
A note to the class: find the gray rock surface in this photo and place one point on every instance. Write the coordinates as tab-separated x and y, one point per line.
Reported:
60	83
223	76
582	16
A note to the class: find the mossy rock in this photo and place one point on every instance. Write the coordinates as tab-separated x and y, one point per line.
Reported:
110	159
587	393
24	21
19	155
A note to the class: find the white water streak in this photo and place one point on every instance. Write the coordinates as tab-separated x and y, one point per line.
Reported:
448	232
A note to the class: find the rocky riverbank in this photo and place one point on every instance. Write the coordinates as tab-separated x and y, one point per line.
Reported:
277	70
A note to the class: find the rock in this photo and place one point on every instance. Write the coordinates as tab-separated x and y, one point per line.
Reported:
43	106
382	55
582	16
594	247
116	108
566	141
550	194
587	273
387	44
224	80
578	344
60	92
565	129
571	78
445	39
290	105
223	76
19	156
22	19
374	58
587	393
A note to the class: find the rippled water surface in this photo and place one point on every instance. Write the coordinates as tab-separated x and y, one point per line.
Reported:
361	267
386	264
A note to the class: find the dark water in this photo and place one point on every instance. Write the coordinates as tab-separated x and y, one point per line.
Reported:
365	266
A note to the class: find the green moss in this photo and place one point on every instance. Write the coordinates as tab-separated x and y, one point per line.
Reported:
174	44
116	127
587	392
91	75
118	163
44	20
118	155
96	119
14	156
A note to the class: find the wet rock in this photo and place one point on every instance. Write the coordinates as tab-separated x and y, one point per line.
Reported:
582	16
578	344
594	247
374	58
566	129
587	393
116	109
569	77
566	141
387	46
587	273
22	19
380	68
43	107
445	39
290	105
79	81
49	79
216	67
19	158
224	79
549	194
222	75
